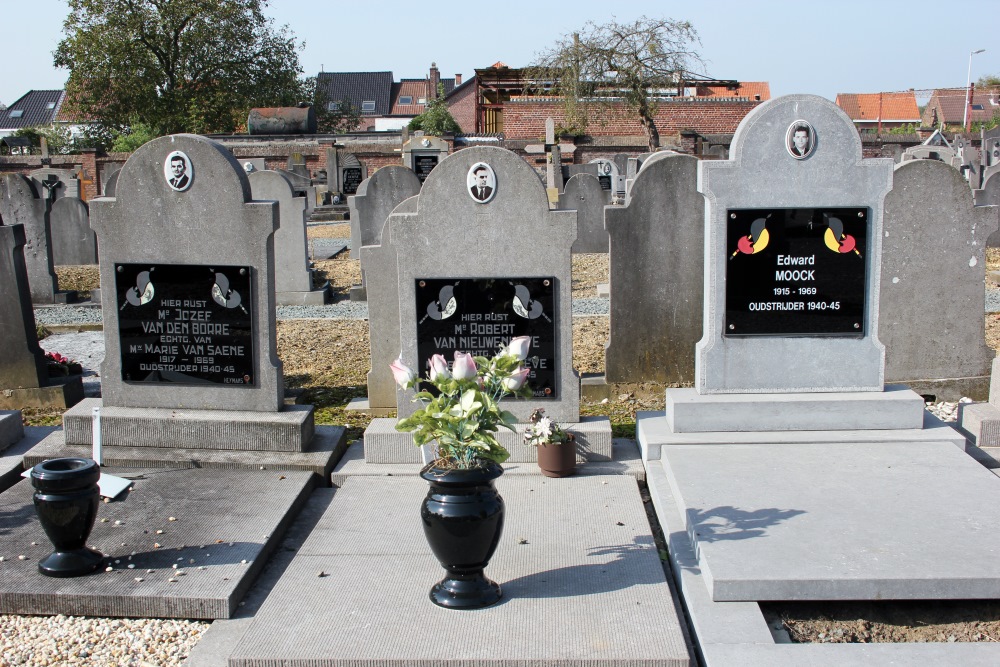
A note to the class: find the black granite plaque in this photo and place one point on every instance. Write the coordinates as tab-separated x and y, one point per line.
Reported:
423	164
605	182
796	272
480	315
185	324
351	179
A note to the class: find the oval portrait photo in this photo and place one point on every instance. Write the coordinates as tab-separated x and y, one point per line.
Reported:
178	171
482	182
800	139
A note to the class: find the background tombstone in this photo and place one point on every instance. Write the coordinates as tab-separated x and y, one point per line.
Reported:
657	275
111	183
511	236
422	153
24	377
758	337
945	154
932	304
20	204
990	196
374	200
292	278
210	228
585	195
607	174
252	164
53	184
73	241
351	173
383	311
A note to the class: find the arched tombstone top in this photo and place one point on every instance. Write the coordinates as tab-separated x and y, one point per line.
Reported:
447	189
581	183
393	176
349	160
271	185
653	158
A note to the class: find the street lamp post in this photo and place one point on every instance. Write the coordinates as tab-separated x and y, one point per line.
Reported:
968	89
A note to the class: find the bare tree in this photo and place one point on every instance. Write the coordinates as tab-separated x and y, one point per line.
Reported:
628	65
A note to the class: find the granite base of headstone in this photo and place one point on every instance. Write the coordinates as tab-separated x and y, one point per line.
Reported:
980	422
481	203
24	372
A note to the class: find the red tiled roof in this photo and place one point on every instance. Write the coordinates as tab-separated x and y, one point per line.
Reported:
415	88
952	103
748	89
899	106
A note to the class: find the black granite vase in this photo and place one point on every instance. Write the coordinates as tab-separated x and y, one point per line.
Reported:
66	501
463	519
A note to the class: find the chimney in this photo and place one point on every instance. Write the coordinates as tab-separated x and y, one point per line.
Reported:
435	79
458	80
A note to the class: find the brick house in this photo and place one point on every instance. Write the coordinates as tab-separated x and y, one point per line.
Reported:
37	108
873	111
947	106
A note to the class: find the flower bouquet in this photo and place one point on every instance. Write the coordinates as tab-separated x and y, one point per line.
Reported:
556	446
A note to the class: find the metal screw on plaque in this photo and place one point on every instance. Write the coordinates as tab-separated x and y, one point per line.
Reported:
120	269
732	326
422	283
546	283
548	390
861	214
857	325
732	216
243	272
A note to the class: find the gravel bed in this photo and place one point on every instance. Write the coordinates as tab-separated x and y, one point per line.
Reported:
992	300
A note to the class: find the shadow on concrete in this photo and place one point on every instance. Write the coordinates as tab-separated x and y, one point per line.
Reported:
732	523
633	564
10	519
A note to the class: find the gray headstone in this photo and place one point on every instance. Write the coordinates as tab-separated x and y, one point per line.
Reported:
20	205
350	173
383	308
206	221
512	234
376	198
930	152
55	184
990	194
657	275
111	182
73	241
764	173
22	363
584	195
932	304
291	248
422	153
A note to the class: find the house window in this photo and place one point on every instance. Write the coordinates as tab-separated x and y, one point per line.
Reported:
977	107
406	99
368	106
50	105
333	106
422	100
17	113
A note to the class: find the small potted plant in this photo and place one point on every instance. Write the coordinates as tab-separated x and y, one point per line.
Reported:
462	513
555	446
60	366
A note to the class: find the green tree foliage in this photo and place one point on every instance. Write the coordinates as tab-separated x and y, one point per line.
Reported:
988	81
176	65
135	135
436	119
604	67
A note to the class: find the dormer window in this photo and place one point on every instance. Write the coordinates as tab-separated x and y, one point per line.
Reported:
17	113
50	105
406	99
368	106
333	106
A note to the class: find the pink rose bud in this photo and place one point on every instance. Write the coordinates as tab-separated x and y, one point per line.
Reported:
464	367
403	375
518	347
515	380
439	368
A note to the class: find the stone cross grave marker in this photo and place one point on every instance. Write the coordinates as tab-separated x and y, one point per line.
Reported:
292	278
187	271
932	303
486	260
53	184
657	275
792	255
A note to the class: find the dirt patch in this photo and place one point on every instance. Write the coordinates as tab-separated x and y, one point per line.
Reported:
879	622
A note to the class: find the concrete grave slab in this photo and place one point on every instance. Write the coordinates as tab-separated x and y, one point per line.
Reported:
934	254
379	571
11	463
11	428
736	633
858	521
657	274
763	173
227	522
320	249
73	242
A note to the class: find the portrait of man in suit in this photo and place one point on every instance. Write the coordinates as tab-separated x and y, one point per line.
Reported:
482	182
800	139
177	171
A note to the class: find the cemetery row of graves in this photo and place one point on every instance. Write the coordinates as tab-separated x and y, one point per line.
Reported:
775	323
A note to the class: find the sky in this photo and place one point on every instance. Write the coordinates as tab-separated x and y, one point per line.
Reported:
821	47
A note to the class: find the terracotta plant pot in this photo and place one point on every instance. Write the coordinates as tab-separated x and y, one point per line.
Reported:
557	460
463	519
66	501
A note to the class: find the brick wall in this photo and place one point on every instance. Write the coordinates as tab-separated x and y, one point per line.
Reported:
525	119
463	108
